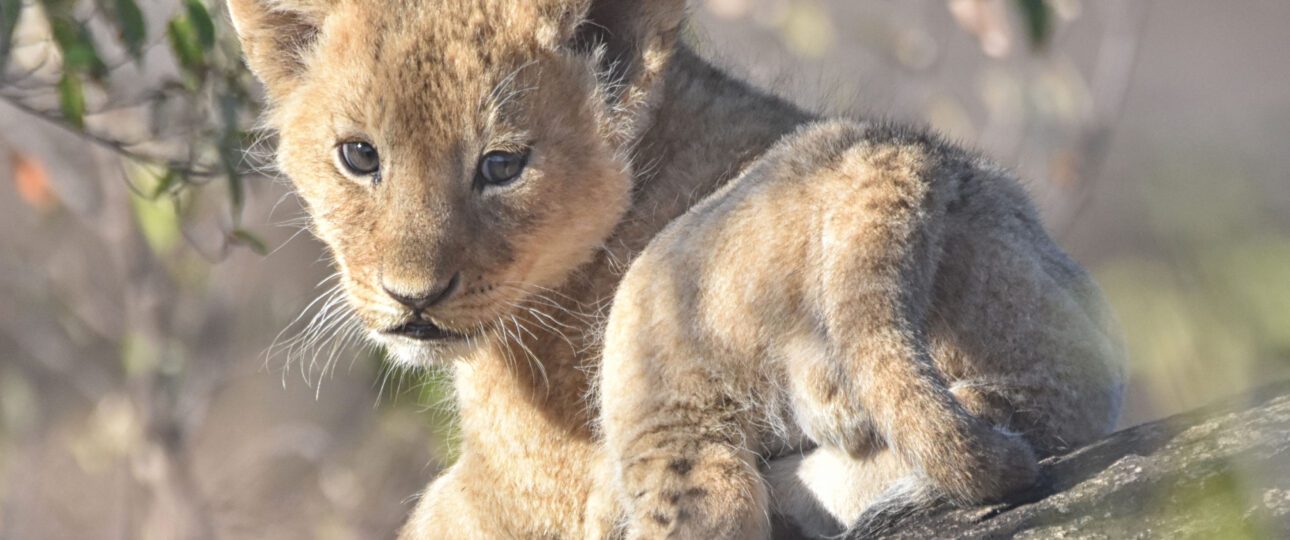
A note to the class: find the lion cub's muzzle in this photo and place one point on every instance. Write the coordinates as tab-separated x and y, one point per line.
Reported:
424	330
419	326
419	301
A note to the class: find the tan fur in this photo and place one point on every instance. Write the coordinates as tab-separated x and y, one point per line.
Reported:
875	290
627	131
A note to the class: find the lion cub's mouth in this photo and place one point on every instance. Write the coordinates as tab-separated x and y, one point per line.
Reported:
423	330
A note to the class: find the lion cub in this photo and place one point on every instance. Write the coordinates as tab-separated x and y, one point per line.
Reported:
862	288
478	170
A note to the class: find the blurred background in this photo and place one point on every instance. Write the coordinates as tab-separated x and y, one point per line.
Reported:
165	371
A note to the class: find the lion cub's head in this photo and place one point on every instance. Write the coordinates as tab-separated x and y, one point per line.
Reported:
456	155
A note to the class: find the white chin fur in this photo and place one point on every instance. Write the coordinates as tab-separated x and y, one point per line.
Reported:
418	354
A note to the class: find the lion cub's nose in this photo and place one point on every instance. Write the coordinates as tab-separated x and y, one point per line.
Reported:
424	299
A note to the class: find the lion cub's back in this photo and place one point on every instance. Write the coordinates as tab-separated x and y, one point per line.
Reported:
744	259
742	272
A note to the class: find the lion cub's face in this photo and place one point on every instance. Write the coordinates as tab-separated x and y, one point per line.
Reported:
451	155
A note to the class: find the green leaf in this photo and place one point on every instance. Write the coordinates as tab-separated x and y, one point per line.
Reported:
132	27
138	356
71	99
230	152
246	238
184	43
158	221
152	181
9	11
236	195
200	19
79	54
165	184
59	8
1039	21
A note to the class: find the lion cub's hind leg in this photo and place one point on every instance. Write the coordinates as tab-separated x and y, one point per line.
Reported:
876	290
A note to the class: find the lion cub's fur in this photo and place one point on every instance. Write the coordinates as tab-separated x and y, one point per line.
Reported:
862	288
870	288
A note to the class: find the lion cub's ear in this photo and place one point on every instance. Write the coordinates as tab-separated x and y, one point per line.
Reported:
628	28
631	40
276	35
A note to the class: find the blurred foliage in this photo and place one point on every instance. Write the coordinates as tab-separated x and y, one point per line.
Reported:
86	53
809	28
1221	499
132	320
431	391
162	85
1039	20
1205	316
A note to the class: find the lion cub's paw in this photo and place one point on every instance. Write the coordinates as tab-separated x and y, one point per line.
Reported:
997	464
711	494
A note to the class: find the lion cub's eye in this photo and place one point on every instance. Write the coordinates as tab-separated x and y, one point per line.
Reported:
360	158
501	168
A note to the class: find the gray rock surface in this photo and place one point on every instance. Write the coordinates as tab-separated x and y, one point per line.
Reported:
1219	472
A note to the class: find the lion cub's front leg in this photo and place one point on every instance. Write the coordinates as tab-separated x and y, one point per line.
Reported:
677	432
447	511
685	480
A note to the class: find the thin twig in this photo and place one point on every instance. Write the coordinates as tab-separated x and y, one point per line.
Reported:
179	166
1116	61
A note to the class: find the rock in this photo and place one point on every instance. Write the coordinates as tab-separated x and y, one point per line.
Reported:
1219	472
